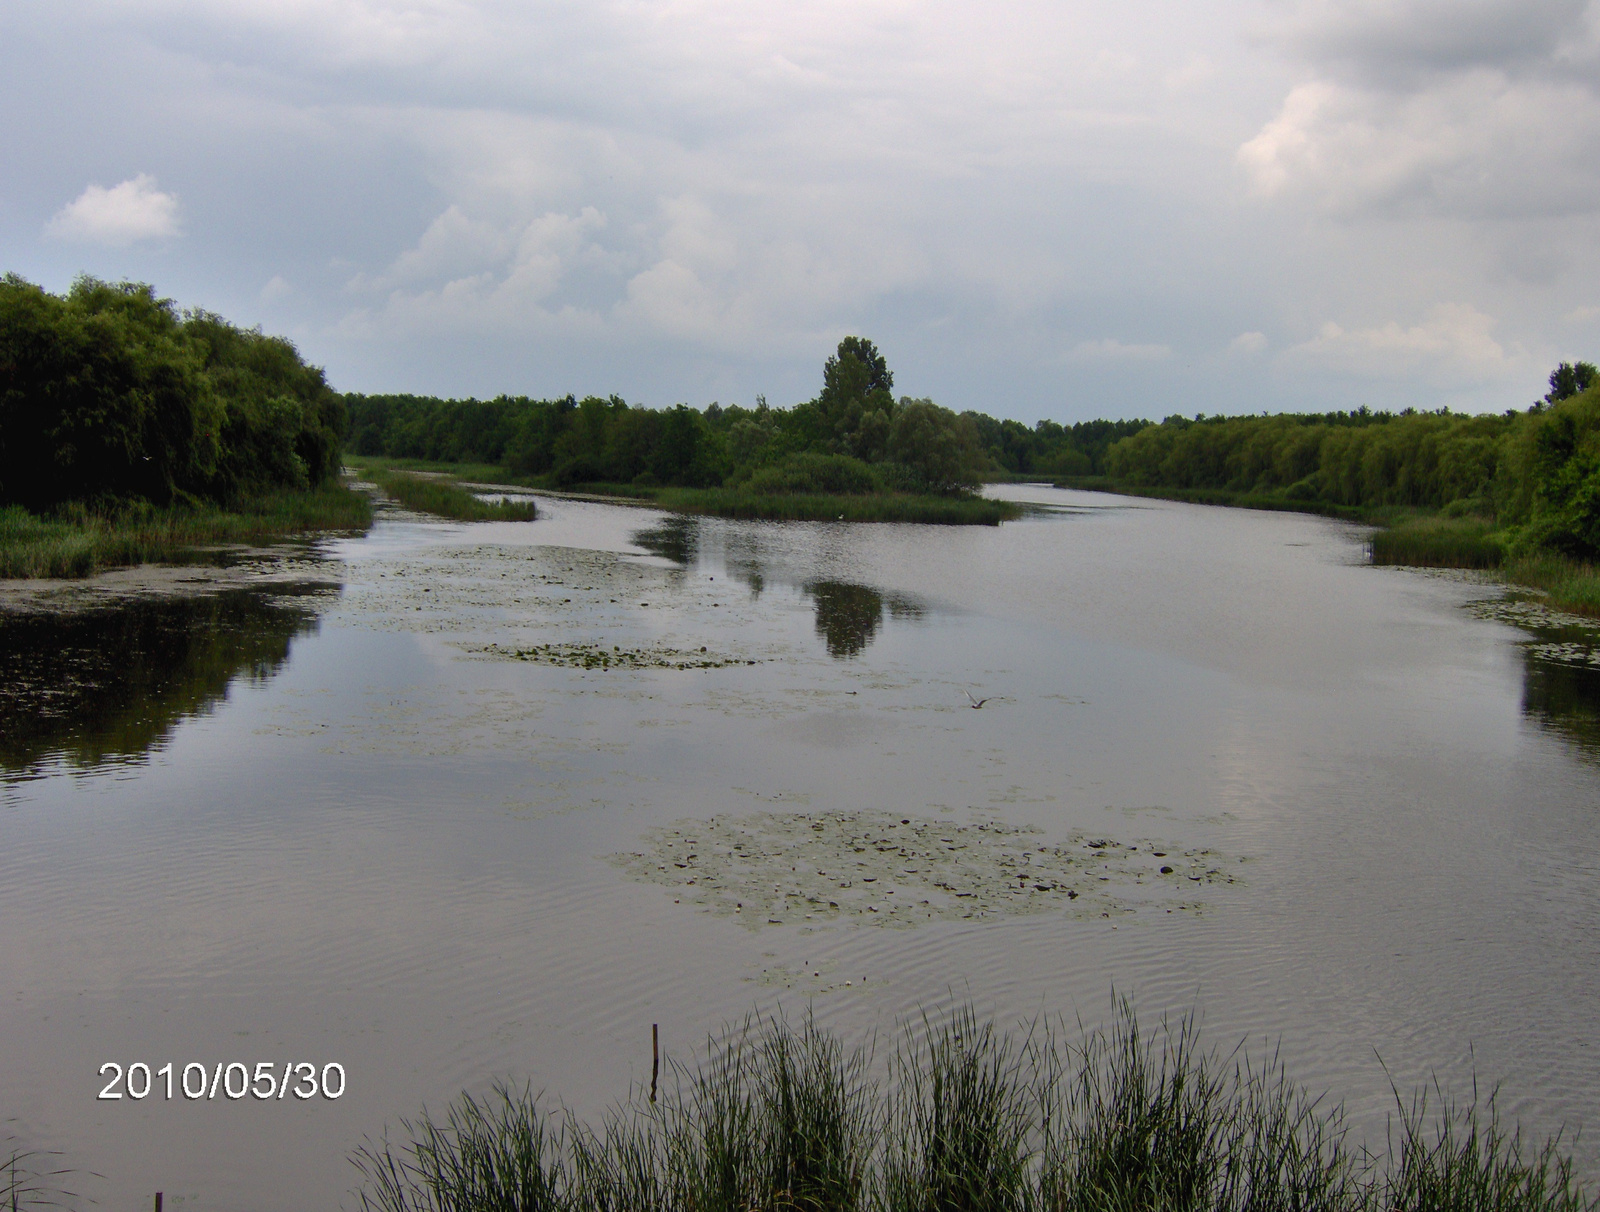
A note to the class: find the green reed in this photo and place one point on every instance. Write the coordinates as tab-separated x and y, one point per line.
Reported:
964	1117
77	541
430	494
1440	542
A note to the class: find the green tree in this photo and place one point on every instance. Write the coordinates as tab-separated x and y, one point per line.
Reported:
102	396
937	450
857	405
1568	379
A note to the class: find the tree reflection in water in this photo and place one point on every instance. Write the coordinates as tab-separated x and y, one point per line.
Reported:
848	616
1564	699
110	685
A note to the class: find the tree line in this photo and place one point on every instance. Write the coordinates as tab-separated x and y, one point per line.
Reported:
855	436
1534	473
110	395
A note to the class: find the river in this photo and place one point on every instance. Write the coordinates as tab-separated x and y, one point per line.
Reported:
417	810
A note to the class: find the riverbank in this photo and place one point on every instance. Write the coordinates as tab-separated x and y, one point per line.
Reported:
962	510
1416	538
78	543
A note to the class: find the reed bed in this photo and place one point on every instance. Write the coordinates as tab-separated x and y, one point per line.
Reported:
1440	542
964	1117
1572	585
829	507
446	499
78	542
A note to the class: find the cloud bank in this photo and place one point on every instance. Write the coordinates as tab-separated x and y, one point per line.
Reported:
1282	204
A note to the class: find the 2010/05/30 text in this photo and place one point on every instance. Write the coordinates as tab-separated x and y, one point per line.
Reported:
232	1080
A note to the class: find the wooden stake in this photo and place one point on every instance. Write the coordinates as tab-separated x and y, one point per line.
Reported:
158	1201
655	1061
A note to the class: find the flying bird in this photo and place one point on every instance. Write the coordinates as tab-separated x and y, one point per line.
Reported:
976	703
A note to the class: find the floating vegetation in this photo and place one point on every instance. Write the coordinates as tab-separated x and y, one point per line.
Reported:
787	868
598	656
1531	613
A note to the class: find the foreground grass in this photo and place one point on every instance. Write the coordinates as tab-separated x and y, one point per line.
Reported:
446	499
77	543
964	1118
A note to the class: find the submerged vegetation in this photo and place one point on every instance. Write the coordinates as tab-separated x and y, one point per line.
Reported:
962	1117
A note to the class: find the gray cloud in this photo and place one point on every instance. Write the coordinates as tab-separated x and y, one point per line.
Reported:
1396	43
695	200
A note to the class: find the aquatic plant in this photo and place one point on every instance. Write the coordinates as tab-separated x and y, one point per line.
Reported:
75	541
965	1117
446	499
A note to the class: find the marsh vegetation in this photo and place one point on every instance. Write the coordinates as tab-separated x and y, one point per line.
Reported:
961	1116
132	431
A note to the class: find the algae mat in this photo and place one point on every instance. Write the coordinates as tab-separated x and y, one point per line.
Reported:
881	869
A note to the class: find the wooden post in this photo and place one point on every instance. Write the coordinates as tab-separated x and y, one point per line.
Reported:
158	1201
655	1061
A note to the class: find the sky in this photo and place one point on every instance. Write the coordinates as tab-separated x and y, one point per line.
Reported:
1066	209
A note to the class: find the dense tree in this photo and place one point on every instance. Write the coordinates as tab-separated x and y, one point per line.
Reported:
1568	379
108	394
856	406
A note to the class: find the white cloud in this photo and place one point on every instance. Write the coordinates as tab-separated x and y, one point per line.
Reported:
1109	350
1247	344
466	274
1475	145
277	287
1460	108
124	214
1454	344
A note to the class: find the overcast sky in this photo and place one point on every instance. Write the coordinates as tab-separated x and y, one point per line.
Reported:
1070	209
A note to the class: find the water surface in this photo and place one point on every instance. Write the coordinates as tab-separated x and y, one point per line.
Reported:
382	825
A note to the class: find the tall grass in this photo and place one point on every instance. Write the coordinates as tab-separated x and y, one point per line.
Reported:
428	494
963	1117
1572	585
1440	542
827	507
77	542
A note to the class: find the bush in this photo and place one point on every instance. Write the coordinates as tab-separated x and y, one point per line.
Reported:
839	475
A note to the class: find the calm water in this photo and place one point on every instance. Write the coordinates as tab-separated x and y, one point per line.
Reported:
370	823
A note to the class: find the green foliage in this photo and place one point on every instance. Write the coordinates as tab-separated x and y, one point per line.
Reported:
76	542
1556	472
933	450
856	407
853	439
430	494
812	472
1466	541
108	396
1351	459
970	1119
1567	380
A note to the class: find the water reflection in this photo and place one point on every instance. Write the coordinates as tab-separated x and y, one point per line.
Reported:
848	616
1564	699
674	538
110	685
